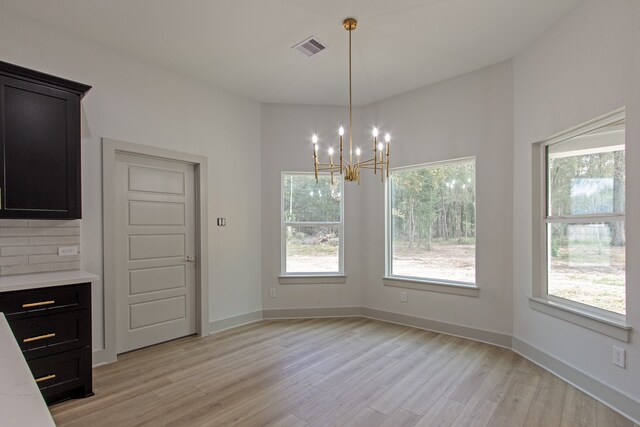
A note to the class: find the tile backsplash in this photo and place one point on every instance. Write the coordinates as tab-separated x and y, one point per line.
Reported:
31	246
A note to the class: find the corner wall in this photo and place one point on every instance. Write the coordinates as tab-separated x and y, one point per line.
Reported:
469	115
286	139
586	65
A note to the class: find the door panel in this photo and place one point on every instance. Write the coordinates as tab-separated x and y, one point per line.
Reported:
155	230
150	180
156	213
158	311
156	246
157	279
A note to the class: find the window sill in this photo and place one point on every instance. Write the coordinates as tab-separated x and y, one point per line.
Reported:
310	279
432	286
608	326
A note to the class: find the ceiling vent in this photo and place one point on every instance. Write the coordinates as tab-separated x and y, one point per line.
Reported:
309	47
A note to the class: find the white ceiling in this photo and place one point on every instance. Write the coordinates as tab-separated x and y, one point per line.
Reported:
244	46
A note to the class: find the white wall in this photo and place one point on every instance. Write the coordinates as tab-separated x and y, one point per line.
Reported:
137	102
470	115
587	65
286	138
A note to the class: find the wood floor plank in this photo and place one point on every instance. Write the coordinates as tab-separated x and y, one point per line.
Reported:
547	404
289	420
400	418
327	372
514	406
435	386
579	408
442	413
477	412
607	417
366	417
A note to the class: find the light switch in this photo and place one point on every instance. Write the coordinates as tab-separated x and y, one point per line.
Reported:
221	222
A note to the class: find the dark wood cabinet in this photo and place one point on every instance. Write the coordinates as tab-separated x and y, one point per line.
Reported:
40	145
52	326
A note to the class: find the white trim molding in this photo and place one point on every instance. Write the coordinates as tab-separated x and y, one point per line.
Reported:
489	337
109	150
291	279
432	286
220	325
304	313
586	319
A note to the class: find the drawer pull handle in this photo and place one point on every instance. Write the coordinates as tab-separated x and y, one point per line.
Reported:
38	304
45	378
39	337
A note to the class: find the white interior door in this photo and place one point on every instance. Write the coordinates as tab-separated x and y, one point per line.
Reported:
155	254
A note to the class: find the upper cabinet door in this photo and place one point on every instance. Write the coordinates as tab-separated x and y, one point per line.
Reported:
40	149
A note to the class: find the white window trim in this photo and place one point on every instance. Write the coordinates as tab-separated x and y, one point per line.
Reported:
590	317
310	277
421	283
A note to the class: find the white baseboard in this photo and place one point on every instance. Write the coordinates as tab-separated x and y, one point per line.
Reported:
235	321
303	313
103	357
495	338
605	394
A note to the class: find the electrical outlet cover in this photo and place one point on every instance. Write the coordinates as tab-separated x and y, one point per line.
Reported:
67	250
619	356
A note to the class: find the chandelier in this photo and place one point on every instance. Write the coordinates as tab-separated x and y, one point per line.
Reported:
351	170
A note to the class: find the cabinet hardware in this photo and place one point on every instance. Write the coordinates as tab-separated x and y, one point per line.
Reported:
45	378
190	259
39	337
38	304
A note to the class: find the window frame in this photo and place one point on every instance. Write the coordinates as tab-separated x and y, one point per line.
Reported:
325	277
431	284
591	317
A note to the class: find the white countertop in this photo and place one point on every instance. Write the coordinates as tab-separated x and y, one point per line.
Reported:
42	280
21	403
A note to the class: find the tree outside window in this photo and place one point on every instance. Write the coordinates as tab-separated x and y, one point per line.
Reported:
433	222
586	218
312	225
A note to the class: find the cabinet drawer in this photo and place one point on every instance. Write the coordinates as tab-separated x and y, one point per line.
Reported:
63	375
18	304
52	333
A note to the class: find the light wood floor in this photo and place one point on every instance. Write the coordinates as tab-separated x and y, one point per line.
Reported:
325	372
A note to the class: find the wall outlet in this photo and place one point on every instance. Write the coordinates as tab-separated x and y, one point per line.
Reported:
403	296
272	292
67	250
619	357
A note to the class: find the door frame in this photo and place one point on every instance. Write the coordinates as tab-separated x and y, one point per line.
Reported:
110	148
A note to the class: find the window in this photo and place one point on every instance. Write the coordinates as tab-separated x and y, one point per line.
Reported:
312	225
584	223
432	222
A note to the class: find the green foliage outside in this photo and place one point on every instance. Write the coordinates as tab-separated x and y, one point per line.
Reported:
308	201
313	244
435	204
587	177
